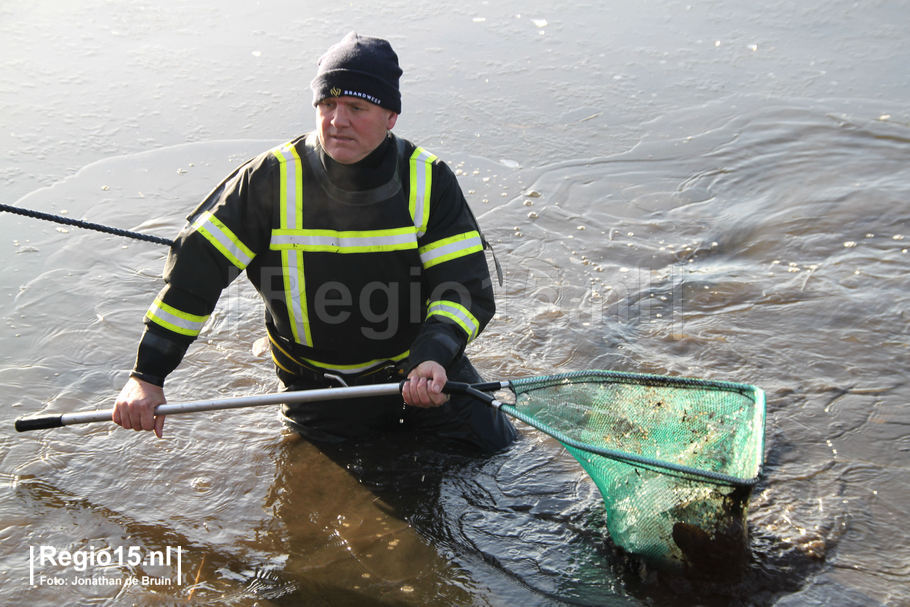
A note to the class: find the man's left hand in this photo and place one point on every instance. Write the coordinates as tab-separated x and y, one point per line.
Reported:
424	385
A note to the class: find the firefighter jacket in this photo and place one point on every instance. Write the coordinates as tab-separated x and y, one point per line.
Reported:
358	265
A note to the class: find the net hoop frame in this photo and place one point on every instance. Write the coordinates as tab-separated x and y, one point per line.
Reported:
528	384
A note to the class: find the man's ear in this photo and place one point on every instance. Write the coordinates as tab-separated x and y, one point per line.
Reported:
393	118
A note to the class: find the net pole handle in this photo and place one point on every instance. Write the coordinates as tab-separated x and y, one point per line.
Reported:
478	391
232	402
39	423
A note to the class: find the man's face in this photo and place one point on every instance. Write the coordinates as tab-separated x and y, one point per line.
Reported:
350	128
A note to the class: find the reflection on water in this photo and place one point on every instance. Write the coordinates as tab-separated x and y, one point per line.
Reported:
677	257
770	250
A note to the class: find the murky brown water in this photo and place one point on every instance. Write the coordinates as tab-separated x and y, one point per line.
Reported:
689	189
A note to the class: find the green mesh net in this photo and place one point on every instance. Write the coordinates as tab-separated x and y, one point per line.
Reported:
674	458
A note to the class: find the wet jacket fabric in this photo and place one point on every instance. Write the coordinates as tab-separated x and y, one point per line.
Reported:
358	266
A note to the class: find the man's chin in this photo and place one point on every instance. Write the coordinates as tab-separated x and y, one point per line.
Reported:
343	154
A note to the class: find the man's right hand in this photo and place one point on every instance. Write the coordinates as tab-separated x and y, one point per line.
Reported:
135	406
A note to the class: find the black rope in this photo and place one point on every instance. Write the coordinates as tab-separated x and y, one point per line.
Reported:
85	224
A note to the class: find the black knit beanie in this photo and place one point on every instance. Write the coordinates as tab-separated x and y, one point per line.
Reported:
359	66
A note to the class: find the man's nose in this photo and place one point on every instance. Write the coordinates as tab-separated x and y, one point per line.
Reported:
340	116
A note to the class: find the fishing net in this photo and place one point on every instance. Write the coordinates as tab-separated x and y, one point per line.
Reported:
674	458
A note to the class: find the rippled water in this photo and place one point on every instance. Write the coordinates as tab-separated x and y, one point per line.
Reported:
681	189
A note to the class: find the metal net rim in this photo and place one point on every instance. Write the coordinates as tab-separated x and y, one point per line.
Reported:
529	384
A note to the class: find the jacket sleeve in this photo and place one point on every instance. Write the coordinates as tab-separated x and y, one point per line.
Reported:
222	236
456	278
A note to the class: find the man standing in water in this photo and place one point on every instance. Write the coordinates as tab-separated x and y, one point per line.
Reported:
367	257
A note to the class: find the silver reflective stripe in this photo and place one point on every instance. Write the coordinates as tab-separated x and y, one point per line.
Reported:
293	287
292	261
457	313
175	320
450	248
421	177
292	205
223	239
341	242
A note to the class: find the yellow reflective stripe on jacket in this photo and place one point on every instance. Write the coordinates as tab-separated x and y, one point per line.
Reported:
356	367
175	320
334	241
291	187
458	313
450	248
351	368
295	296
291	195
421	178
222	238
